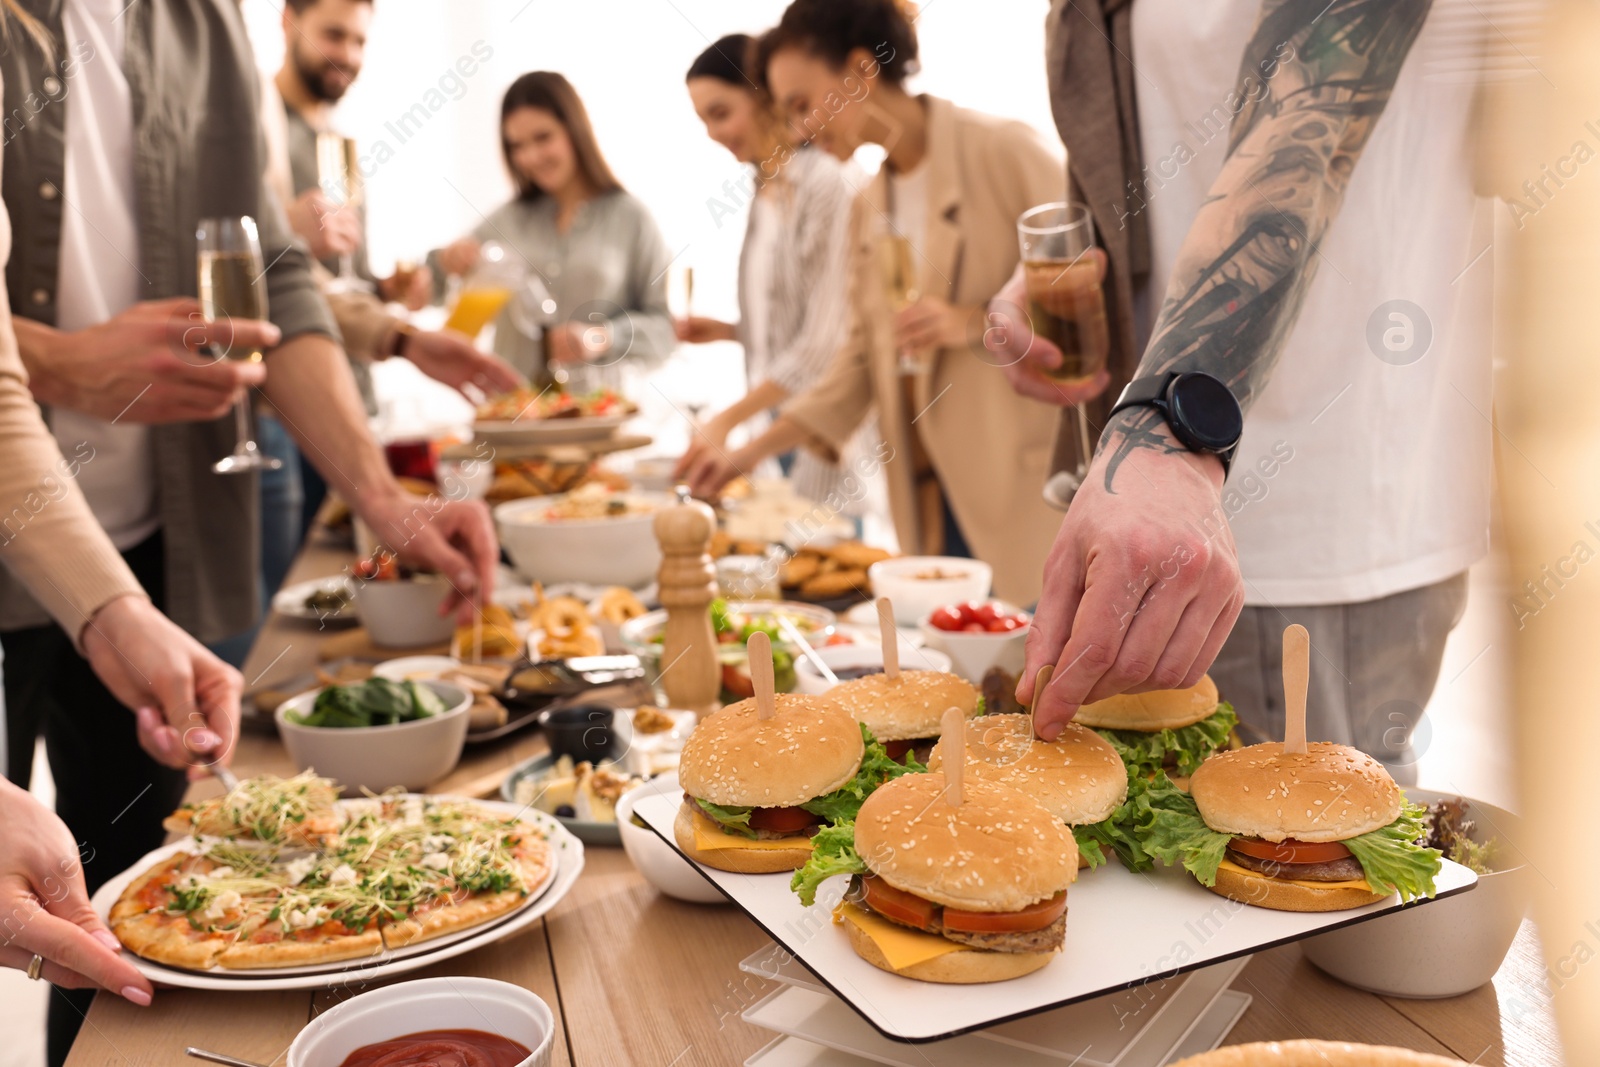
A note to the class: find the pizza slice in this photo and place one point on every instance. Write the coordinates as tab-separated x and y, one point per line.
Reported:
196	924
151	891
272	810
299	931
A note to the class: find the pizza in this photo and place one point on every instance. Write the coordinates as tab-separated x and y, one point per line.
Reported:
325	883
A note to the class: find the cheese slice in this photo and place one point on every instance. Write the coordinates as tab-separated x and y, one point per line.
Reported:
709	836
902	946
1355	883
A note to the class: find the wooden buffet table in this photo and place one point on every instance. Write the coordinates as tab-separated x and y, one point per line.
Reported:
639	978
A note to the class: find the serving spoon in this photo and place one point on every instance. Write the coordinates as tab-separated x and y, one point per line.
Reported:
217	1057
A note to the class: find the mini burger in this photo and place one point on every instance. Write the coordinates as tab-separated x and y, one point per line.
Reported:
972	892
1078	777
904	712
1322	830
755	789
1168	729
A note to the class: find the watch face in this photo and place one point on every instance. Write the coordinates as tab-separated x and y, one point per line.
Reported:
1207	410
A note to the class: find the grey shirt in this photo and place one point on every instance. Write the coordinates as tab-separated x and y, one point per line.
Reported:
197	153
611	265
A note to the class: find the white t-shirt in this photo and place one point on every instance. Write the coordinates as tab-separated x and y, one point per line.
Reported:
1358	476
99	273
908	206
762	247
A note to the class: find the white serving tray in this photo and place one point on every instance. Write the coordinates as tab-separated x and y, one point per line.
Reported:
1123	931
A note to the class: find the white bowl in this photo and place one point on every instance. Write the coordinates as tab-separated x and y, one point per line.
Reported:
974	654
915	597
410	755
404	612
843	657
619	551
451	1003
1447	947
415	668
656	860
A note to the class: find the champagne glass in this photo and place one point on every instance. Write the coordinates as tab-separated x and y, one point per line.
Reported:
339	175
898	262
1066	307
680	292
233	285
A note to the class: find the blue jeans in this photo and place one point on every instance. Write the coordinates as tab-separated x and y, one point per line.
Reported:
282	501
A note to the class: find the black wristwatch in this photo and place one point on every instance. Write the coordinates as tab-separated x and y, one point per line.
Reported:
1202	411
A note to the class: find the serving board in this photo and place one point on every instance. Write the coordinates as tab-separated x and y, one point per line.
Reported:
566	855
1123	930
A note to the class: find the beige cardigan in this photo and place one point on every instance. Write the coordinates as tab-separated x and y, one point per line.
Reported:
49	538
963	432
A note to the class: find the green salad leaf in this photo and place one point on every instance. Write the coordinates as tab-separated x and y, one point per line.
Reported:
1144	752
983	706
833	851
844	803
374	702
1159	821
1392	859
1088	845
732	819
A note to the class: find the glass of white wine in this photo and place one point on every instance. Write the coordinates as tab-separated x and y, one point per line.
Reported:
339	175
233	286
899	264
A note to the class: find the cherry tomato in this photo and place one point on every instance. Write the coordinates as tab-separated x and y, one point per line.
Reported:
980	612
946	618
1006	623
974	628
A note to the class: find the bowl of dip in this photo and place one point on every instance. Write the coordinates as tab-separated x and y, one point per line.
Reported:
418	1022
849	662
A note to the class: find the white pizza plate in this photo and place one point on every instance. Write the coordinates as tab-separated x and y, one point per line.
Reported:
1123	930
291	601
548	431
566	855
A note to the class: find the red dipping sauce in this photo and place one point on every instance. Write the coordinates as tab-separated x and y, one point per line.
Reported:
441	1048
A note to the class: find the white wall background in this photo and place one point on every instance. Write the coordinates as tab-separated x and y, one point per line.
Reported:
627	59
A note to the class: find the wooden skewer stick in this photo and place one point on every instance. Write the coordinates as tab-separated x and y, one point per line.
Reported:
1296	677
759	649
890	635
1040	680
953	751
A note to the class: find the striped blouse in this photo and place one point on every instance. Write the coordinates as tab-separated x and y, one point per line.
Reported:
793	288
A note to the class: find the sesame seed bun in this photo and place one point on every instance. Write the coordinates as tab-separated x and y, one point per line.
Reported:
968	967
998	851
1078	777
739	860
910	707
808	748
1264	891
1163	709
1316	1054
1327	793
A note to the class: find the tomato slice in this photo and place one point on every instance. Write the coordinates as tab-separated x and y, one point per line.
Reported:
737	682
1033	917
782	820
896	750
897	904
1289	850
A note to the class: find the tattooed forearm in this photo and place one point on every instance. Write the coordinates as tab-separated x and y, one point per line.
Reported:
1250	256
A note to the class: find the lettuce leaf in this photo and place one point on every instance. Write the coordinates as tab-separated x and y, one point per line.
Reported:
1161	822
833	851
1088	845
732	819
1392	859
1144	752
983	706
844	803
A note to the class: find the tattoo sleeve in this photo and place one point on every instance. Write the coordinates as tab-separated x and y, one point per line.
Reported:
1313	81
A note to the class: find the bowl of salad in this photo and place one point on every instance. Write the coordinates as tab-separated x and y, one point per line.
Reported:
734	622
592	535
378	734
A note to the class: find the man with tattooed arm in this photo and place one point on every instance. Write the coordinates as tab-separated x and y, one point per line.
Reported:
1292	184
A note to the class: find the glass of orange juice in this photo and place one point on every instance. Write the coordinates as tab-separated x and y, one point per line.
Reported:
486	289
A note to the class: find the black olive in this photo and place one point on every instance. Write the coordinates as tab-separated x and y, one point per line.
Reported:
566	811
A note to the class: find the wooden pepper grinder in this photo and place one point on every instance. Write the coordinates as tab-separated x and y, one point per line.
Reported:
691	676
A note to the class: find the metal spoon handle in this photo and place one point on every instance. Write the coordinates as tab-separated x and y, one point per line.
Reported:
229	780
217	1057
792	632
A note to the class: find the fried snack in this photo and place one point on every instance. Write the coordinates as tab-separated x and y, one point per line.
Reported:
835	584
581	642
800	568
492	635
854	555
649	720
618	605
562	615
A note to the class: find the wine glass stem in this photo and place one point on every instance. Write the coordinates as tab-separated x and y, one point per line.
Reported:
241	419
1083	440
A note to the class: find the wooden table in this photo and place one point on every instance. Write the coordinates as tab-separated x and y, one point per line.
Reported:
638	978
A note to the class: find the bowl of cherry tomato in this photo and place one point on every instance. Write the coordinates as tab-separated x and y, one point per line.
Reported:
401	606
978	635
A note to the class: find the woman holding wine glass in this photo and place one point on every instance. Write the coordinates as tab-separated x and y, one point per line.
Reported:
591	257
970	456
793	267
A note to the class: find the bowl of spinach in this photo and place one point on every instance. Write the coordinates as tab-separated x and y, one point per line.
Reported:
378	734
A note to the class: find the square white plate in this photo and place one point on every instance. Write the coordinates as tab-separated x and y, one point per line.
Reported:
1123	930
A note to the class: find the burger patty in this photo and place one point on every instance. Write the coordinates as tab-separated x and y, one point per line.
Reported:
1345	870
1044	940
